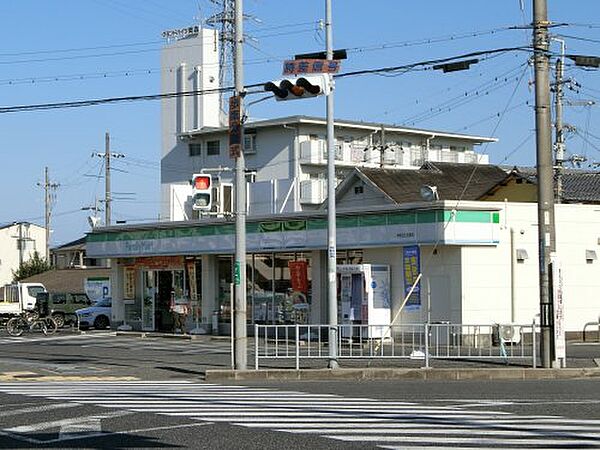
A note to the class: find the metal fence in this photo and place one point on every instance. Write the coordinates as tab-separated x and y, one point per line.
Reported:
428	341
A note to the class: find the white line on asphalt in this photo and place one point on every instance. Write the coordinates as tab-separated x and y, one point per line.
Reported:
135	431
59	423
448	431
84	428
487	442
34	409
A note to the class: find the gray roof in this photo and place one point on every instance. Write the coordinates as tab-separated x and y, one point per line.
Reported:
404	186
372	126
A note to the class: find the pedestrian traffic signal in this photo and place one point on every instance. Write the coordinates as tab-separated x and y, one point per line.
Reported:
300	87
202	192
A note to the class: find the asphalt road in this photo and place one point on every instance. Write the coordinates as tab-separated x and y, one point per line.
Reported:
103	391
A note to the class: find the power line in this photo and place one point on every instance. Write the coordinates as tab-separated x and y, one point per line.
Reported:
111	100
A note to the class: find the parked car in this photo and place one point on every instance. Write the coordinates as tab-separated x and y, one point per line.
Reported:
98	315
63	305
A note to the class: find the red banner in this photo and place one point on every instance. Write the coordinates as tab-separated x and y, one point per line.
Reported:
299	275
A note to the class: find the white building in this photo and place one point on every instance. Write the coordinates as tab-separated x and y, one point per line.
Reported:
285	157
18	242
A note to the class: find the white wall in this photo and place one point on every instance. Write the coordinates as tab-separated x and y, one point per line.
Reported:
33	239
486	271
187	65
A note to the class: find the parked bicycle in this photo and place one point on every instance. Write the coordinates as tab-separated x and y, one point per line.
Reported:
31	322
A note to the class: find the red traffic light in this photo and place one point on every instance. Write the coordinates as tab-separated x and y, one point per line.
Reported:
202	182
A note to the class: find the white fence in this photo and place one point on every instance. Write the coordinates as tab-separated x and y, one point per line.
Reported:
407	341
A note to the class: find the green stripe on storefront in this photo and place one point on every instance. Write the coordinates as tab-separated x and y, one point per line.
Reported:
367	220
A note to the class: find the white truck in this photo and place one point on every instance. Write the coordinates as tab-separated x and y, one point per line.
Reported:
18	297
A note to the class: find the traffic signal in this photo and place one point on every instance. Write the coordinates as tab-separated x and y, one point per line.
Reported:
300	87
202	195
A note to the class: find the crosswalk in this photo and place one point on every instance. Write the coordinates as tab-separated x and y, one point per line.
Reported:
385	423
110	341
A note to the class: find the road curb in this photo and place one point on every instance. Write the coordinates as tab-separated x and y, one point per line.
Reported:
401	374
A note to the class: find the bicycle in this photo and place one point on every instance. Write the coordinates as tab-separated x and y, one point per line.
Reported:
30	322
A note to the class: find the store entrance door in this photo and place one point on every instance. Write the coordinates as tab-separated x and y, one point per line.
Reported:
164	318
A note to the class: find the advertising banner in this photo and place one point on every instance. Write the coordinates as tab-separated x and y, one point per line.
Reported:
412	268
559	313
299	276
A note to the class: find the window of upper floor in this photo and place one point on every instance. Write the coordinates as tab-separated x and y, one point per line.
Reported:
213	148
195	149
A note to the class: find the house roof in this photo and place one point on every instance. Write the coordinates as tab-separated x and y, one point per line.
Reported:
404	186
578	186
371	126
77	244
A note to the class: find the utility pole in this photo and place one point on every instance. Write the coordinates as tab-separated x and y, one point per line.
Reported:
107	155
545	188
331	225
240	332
382	147
558	124
48	188
107	196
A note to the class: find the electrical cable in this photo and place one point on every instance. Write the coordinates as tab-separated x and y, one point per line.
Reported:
110	100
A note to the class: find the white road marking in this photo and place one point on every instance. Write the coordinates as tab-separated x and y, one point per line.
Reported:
394	424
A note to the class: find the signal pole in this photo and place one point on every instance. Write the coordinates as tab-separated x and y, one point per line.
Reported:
240	337
331	225
545	188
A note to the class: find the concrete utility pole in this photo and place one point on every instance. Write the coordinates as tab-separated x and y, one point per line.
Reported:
558	124
48	188
545	188
240	336
331	225
107	155
107	195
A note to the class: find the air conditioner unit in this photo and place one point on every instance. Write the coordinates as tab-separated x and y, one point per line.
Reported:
507	334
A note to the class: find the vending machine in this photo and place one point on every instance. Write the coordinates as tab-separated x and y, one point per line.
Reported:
364	299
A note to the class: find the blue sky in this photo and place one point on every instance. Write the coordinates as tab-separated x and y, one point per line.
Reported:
66	50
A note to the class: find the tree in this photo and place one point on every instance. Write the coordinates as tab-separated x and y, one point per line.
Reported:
36	264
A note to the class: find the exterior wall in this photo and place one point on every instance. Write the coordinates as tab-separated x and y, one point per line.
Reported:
33	238
514	192
187	65
369	197
441	270
486	271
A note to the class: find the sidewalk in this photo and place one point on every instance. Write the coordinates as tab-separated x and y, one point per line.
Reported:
368	374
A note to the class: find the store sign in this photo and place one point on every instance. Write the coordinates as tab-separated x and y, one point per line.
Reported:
412	268
181	33
159	262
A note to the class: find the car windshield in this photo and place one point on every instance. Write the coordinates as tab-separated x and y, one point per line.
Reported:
105	302
35	290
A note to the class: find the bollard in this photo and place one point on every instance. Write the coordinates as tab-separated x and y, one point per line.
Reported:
297	347
255	346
